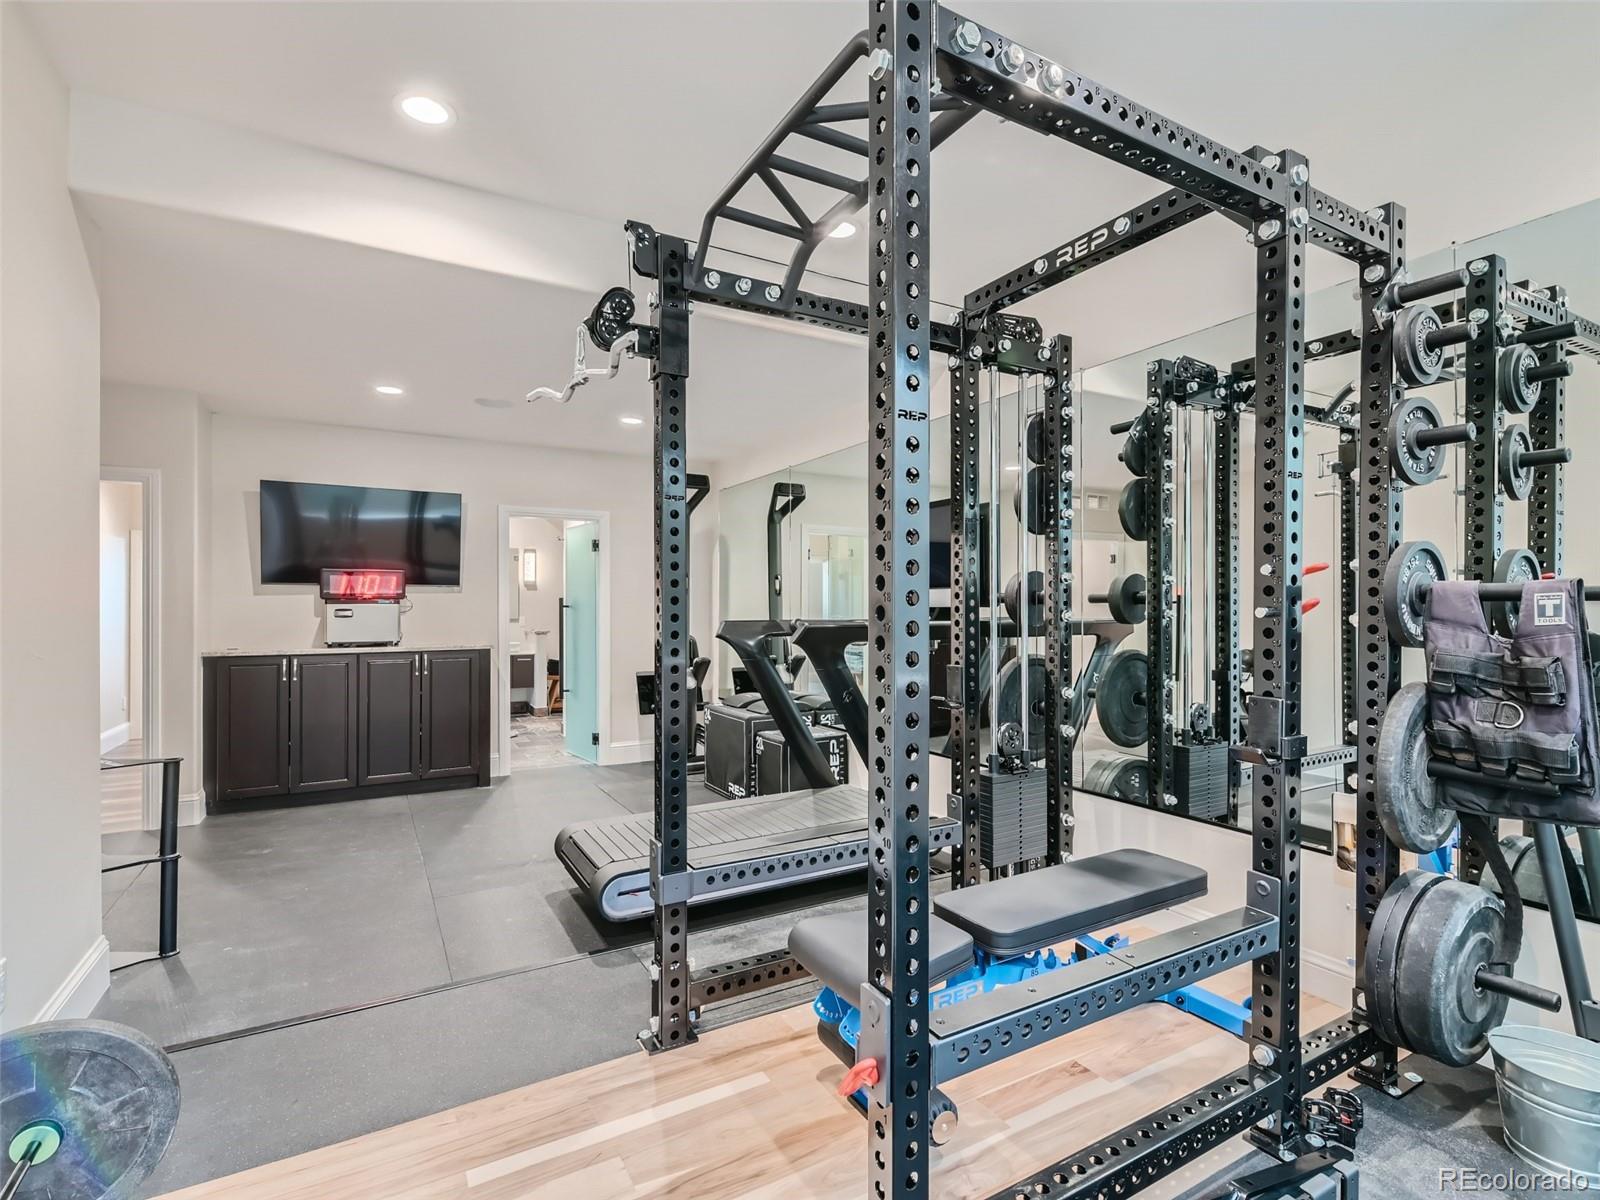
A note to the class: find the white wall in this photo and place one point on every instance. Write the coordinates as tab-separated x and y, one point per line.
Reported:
56	960
120	518
169	432
249	615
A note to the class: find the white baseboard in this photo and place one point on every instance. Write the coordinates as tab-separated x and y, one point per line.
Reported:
116	736
494	767
192	808
83	987
627	752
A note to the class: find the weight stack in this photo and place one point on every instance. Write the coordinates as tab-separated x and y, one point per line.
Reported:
1011	824
1201	780
731	749
776	772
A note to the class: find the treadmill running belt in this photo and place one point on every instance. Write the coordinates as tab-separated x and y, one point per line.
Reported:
817	833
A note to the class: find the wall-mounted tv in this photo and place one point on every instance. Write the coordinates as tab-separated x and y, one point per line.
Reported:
306	527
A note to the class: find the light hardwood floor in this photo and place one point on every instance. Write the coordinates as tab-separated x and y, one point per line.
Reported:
749	1112
122	792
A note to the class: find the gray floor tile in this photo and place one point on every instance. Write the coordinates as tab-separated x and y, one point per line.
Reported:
276	1094
540	920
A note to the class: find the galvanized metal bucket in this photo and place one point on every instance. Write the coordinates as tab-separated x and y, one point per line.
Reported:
1549	1084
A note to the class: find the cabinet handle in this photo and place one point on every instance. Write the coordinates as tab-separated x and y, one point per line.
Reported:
296	670
424	664
413	666
283	670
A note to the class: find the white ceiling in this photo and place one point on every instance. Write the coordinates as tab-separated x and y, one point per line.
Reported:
615	110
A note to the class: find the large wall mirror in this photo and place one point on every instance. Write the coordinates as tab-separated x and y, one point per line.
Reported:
793	543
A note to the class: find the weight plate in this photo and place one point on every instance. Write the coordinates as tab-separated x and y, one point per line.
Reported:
1011	704
1012	600
1517	392
1414	464
1126	598
1513	566
1032	482
1524	863
108	1089
1418	365
1120	698
1035	439
1412	567
1410	803
1516	477
1135	453
1455	930
1130	508
1383	950
1130	781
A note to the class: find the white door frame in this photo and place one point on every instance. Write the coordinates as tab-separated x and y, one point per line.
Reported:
150	515
502	669
806	532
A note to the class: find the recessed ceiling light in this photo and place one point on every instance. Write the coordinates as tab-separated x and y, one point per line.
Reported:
842	230
389	389
631	420
425	110
493	401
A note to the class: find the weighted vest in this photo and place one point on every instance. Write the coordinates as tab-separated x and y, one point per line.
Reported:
1517	711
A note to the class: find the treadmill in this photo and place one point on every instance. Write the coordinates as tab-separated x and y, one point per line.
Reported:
798	837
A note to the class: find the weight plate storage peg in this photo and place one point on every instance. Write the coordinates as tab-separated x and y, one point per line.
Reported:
1011	598
1418	364
1513	566
1120	699
1413	568
1430	938
1033	483
1517	392
95	1104
1130	508
1415	455
1410	803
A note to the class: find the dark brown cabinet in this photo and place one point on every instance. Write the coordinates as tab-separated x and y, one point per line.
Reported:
251	736
322	737
390	718
449	717
332	725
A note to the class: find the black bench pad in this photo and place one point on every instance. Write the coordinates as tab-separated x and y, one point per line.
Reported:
1040	908
833	947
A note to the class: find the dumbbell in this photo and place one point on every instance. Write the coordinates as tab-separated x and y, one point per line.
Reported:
1127	599
1518	458
1417	439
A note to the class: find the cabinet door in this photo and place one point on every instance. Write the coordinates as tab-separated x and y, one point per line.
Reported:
322	703
450	713
390	718
252	727
524	671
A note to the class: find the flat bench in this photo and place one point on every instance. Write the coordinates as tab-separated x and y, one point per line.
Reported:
1007	917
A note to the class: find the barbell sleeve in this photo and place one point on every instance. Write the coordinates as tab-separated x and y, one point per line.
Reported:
1445	435
1491	980
1550	370
1433	285
1540	334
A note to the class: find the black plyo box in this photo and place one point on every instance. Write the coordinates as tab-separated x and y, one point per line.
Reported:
776	772
731	749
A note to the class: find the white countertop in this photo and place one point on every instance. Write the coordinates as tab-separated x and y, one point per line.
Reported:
403	648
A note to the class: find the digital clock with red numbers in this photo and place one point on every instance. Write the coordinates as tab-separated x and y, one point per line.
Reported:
363	586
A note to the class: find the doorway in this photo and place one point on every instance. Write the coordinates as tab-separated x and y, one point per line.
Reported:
552	639
126	690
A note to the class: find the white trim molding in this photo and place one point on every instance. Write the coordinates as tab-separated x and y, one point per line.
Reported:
111	738
151	707
82	989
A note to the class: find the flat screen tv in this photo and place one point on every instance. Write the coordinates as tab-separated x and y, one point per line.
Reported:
308	526
939	548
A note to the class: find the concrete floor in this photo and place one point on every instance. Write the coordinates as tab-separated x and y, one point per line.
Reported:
344	912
